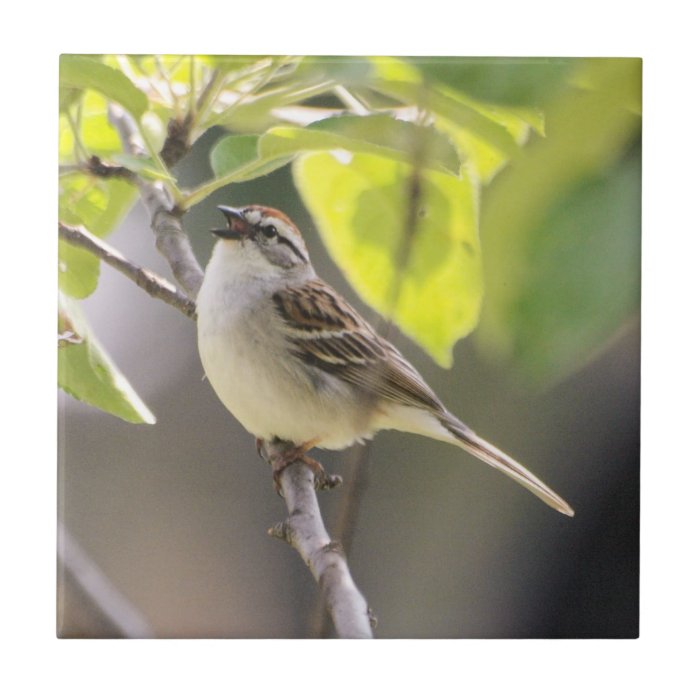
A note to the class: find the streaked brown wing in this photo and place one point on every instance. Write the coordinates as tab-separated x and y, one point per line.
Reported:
330	335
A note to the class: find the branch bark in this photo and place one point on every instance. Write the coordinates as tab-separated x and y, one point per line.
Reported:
150	282
304	530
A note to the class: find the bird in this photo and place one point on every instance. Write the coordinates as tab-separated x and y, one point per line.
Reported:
293	361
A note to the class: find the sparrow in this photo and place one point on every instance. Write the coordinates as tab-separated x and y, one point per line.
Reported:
293	361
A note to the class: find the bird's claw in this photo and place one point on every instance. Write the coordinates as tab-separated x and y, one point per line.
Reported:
322	480
259	444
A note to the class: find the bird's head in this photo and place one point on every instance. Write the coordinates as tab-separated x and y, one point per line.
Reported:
265	235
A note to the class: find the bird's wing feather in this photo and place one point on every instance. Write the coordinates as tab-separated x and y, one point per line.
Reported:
328	333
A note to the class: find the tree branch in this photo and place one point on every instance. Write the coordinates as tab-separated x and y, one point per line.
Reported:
304	530
95	166
166	220
354	486
120	612
150	282
177	142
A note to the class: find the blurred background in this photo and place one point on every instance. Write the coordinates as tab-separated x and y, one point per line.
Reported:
175	514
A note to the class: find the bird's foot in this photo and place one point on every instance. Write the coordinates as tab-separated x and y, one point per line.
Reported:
297	453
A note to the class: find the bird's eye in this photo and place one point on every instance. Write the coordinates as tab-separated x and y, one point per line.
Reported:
269	231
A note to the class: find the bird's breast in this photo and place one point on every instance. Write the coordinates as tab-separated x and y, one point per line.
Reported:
247	360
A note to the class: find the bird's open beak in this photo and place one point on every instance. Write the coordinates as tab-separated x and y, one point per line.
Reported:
237	224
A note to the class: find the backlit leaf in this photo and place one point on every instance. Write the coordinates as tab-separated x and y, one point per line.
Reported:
379	134
78	271
86	372
98	205
87	73
428	280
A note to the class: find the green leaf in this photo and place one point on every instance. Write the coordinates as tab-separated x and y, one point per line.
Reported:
86	73
99	205
510	81
78	271
244	157
592	74
346	70
97	135
583	282
487	135
232	153
395	69
454	109
86	372
236	159
477	148
379	135
560	231
295	80
254	114
153	128
231	64
67	97
143	165
429	282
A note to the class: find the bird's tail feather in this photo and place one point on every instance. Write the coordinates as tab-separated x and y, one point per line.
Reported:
471	442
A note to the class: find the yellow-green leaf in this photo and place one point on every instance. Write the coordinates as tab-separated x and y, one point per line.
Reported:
512	81
97	135
236	159
457	111
87	73
486	134
233	153
427	280
143	165
99	205
78	271
376	134
86	372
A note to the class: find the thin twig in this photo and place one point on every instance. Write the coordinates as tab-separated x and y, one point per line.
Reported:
175	102
350	101
150	282
208	94
96	166
120	612
166	220
304	530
